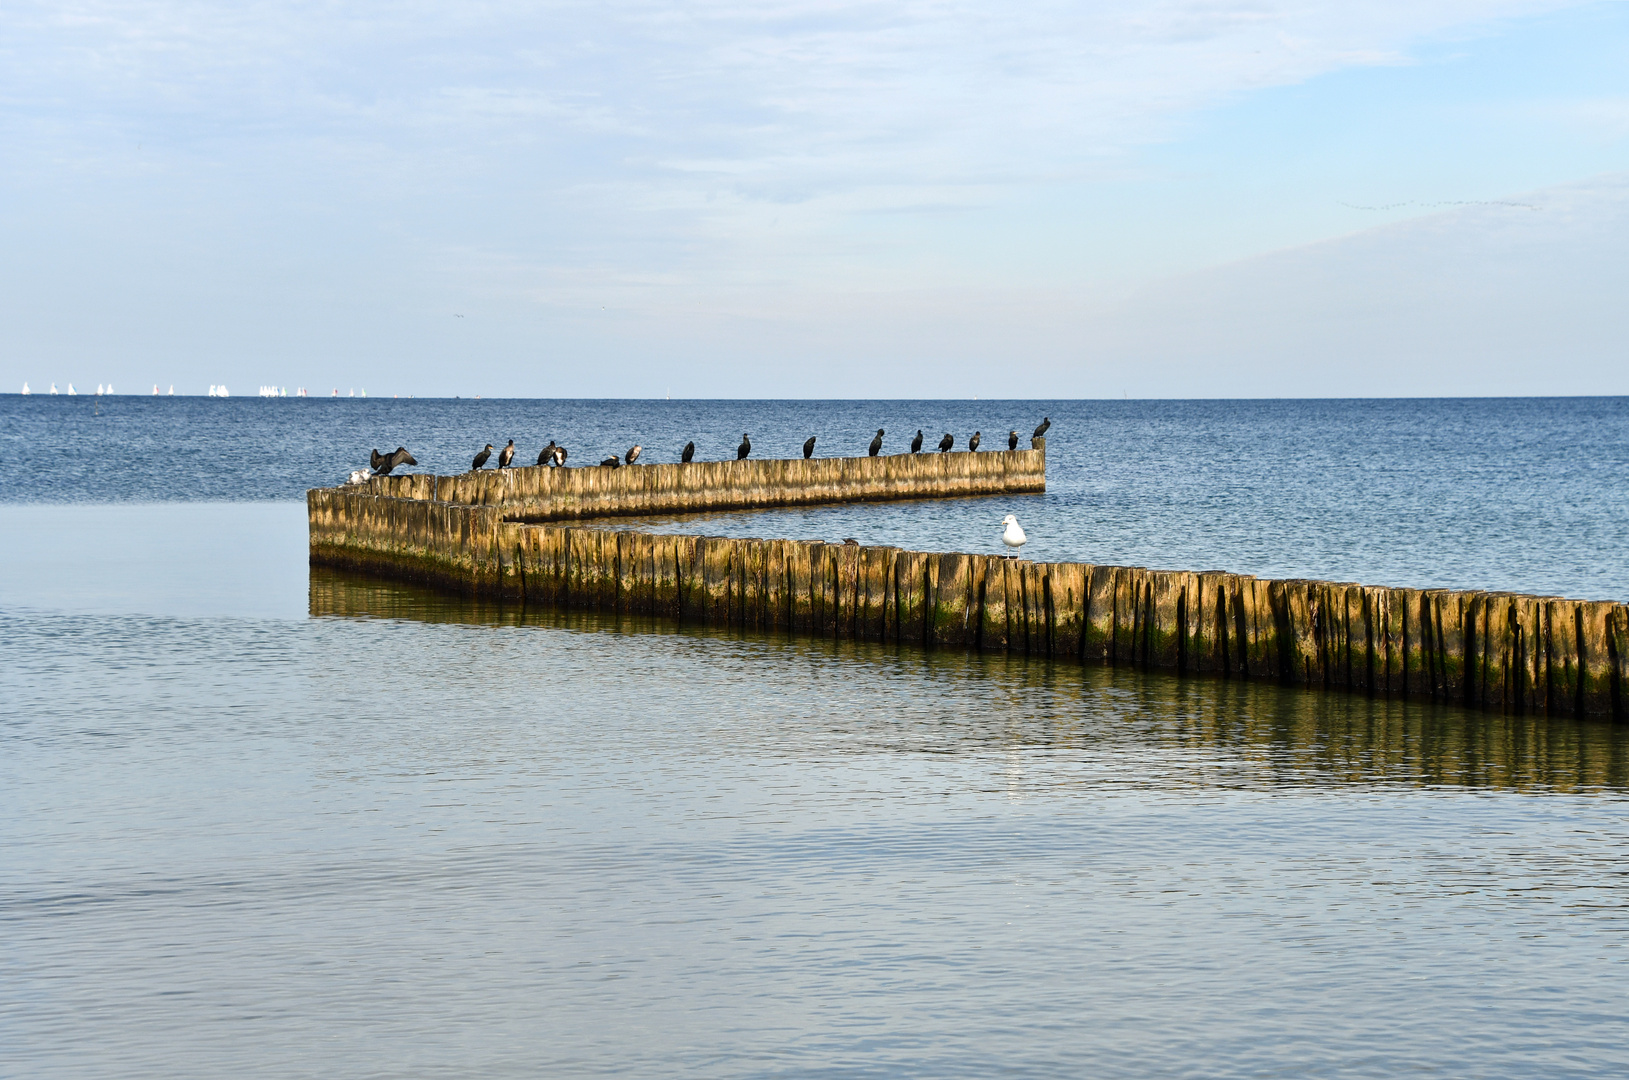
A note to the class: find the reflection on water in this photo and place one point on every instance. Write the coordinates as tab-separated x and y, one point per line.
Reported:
1271	734
449	840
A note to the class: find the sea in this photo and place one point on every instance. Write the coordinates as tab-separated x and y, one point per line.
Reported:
267	821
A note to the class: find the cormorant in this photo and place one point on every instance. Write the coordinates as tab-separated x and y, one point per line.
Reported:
383	463
689	453
545	456
480	459
745	448
376	460
633	454
506	455
947	442
808	448
973	443
1046	422
1012	439
611	461
876	444
916	443
851	540
560	456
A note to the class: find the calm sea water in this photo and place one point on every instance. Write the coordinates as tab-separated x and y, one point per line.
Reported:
1523	495
262	822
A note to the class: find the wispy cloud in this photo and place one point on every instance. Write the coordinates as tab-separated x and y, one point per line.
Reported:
644	155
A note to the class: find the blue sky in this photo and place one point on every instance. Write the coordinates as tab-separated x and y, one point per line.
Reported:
817	199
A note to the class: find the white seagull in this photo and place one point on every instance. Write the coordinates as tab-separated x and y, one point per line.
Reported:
1013	536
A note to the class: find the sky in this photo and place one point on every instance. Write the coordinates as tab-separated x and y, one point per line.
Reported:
807	199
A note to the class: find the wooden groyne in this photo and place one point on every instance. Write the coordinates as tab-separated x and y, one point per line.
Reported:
542	494
1503	652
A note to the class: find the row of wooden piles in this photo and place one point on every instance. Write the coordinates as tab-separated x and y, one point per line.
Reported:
1498	651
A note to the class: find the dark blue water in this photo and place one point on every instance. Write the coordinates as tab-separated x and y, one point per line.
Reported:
1528	495
262	822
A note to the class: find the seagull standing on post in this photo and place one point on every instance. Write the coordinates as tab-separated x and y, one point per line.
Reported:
876	444
1013	536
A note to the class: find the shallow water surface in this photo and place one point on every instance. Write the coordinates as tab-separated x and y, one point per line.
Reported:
389	834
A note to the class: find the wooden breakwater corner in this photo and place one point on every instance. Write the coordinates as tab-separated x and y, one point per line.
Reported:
1502	652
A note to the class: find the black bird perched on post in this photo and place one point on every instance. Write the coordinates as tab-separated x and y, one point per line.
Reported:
1012	439
506	455
480	459
808	448
1046	422
560	455
745	448
916	443
947	442
633	454
689	452
383	463
973	443
876	444
611	462
545	456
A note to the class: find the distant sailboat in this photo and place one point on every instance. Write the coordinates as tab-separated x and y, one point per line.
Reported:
71	391
26	390
172	389
98	389
53	388
155	389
